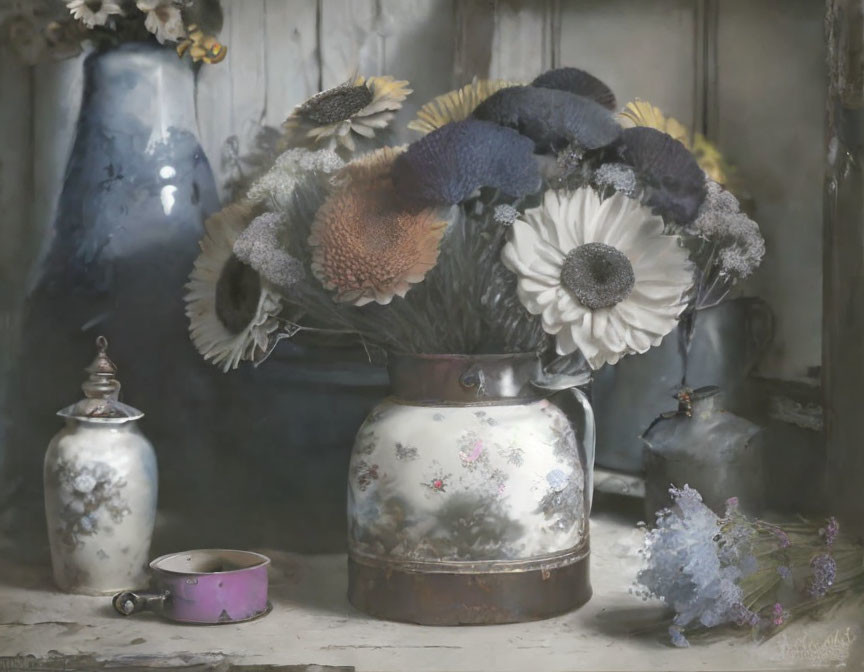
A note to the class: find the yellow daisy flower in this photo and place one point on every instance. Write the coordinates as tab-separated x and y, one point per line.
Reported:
456	105
360	105
233	312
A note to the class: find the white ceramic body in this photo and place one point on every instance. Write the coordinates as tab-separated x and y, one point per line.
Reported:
473	482
100	502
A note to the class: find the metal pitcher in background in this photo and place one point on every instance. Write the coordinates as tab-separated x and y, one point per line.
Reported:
728	342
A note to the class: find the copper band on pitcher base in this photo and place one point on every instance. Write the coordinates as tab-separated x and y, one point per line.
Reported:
527	592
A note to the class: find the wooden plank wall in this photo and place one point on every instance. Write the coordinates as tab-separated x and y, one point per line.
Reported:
844	260
747	72
16	189
769	121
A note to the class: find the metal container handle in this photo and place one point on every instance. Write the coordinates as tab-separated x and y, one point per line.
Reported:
129	602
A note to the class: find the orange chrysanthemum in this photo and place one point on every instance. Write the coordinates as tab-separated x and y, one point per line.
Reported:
367	247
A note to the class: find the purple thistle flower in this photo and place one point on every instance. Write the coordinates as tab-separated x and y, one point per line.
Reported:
824	572
778	616
676	634
784	572
830	531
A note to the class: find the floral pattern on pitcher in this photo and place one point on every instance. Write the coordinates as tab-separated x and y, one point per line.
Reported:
466	483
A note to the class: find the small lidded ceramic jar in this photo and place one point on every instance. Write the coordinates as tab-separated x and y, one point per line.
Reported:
100	489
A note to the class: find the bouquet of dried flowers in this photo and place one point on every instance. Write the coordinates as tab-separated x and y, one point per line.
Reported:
743	572
42	29
527	218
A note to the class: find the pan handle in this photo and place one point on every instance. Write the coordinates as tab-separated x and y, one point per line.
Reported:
128	602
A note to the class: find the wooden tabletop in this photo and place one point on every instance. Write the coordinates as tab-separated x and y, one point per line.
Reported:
313	627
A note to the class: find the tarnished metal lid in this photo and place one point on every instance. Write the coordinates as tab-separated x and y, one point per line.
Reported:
101	391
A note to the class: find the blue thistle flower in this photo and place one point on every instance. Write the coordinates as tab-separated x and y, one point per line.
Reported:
676	182
579	82
552	118
446	166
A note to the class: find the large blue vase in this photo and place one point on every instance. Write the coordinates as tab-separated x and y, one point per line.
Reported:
268	445
136	190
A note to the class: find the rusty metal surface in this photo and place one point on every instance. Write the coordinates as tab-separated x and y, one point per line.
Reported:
537	562
436	598
465	379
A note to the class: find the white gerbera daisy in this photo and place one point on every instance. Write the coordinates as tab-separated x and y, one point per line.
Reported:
359	106
232	311
602	274
163	19
93	13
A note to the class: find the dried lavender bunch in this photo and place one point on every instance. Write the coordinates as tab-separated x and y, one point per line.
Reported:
742	572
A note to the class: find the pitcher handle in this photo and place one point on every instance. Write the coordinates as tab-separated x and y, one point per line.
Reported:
587	439
555	382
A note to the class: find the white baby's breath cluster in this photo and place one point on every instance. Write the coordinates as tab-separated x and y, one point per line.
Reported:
260	247
277	185
740	246
617	176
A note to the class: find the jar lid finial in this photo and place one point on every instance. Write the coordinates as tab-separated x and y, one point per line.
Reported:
101	392
102	380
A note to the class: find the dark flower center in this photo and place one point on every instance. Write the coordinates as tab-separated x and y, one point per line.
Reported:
598	275
337	104
237	292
